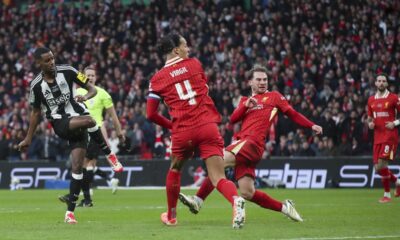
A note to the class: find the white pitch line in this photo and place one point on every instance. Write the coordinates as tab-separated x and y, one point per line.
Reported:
341	238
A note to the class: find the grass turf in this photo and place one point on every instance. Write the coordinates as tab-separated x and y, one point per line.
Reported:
135	214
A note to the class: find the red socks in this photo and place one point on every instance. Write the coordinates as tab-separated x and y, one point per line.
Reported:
173	186
387	177
393	178
228	189
205	189
265	201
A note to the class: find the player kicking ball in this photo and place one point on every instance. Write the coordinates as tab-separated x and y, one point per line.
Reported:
256	114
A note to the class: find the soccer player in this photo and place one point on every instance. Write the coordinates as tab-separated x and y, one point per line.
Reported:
256	114
382	110
96	106
52	92
183	86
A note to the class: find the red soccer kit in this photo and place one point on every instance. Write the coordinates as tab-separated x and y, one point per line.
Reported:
249	145
381	110
183	86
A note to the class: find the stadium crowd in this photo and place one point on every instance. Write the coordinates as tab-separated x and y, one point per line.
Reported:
321	54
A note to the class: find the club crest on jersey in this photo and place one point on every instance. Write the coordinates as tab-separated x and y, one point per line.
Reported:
386	104
264	99
81	77
178	72
63	84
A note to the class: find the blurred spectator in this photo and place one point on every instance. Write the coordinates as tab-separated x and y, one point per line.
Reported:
50	145
135	135
4	142
321	54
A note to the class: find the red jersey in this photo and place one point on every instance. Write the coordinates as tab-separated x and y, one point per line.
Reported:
257	121
384	109
183	86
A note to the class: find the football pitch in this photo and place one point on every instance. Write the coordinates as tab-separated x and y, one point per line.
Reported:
135	214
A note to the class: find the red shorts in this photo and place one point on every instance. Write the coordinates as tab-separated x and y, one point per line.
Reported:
248	154
385	151
206	138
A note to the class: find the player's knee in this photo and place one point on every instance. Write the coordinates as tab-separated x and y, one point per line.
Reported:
90	122
176	165
247	194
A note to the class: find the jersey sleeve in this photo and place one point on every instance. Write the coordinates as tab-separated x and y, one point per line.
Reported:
397	103
34	98
369	111
239	112
154	88
199	68
106	99
281	102
77	77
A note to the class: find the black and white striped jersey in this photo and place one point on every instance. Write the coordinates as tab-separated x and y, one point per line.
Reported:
56	99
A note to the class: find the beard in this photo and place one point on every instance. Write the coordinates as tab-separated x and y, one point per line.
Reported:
382	89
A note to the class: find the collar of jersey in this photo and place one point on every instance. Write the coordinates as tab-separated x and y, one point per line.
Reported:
383	96
173	61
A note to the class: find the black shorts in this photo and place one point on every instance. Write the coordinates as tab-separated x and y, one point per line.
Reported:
93	150
77	138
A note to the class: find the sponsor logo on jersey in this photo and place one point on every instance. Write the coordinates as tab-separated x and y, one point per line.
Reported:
178	72
257	107
63	98
382	114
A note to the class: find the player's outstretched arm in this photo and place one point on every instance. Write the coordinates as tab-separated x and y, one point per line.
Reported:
154	116
91	92
33	123
299	118
317	129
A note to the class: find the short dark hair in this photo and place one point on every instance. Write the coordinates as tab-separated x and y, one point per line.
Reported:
169	42
257	68
383	75
39	51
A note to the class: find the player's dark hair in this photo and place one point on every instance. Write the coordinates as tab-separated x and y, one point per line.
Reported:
169	42
39	51
257	68
383	75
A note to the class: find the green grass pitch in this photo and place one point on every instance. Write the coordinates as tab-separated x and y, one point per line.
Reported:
135	214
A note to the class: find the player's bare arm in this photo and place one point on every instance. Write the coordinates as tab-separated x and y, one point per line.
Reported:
371	124
91	92
33	123
117	124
